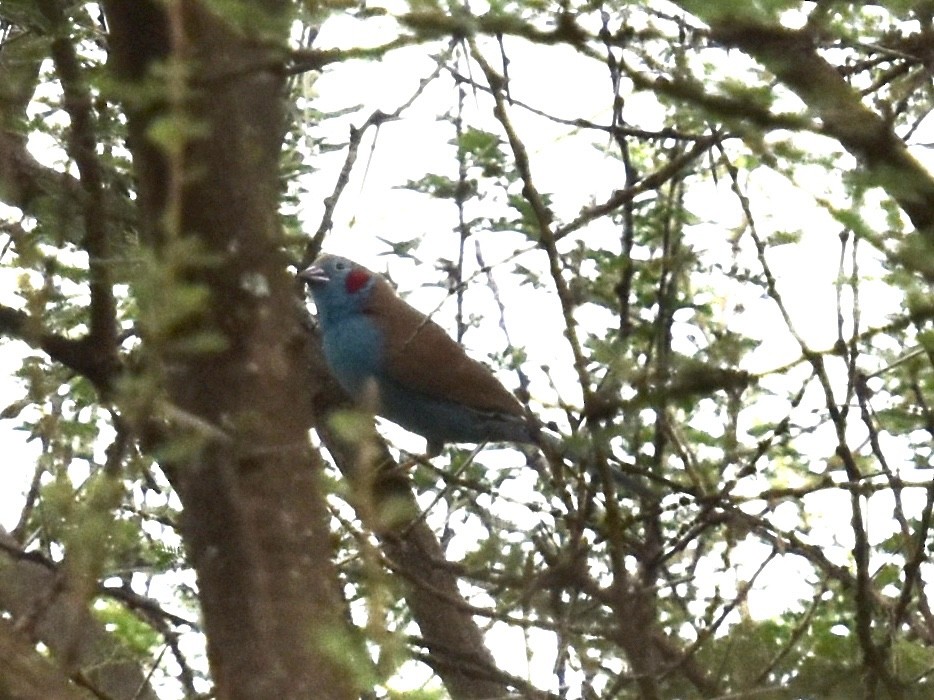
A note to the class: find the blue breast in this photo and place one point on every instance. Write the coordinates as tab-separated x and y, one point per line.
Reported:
353	352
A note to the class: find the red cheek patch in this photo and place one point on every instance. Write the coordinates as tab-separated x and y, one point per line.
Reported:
355	280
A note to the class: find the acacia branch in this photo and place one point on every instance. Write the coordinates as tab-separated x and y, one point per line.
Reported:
464	25
650	182
632	602
543	215
792	55
864	593
82	147
79	354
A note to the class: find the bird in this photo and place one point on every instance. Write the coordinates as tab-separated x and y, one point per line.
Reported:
394	360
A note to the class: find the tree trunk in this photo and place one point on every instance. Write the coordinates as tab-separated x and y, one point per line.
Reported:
206	143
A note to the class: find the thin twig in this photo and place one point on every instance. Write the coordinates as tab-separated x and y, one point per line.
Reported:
376	119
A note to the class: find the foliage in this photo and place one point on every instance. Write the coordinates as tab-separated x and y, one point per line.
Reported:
697	236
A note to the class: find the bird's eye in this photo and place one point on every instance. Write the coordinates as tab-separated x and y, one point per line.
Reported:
339	266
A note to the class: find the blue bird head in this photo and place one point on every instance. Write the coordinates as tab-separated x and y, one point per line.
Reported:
338	286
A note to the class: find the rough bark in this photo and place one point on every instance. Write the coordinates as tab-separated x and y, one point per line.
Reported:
31	592
26	675
255	522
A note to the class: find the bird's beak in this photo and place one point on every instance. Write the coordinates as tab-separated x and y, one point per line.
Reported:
314	275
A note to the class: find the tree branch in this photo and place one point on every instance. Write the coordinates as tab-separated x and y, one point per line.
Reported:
82	148
792	56
29	586
80	354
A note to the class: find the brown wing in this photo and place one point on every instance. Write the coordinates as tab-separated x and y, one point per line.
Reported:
422	356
